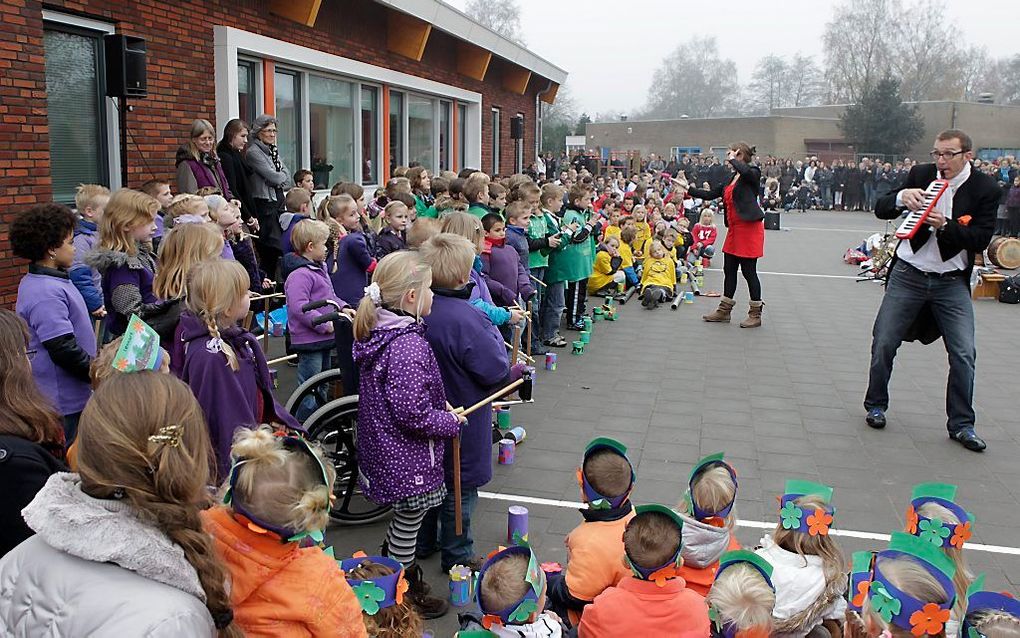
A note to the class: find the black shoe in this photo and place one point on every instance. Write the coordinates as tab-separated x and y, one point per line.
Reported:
419	592
875	418
969	439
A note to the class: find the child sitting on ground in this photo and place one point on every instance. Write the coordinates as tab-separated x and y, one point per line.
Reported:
278	492
392	617
808	567
393	236
473	363
594	547
627	237
402	411
607	276
704	235
654	598
709	516
90	201
506	275
511	593
658	276
742	597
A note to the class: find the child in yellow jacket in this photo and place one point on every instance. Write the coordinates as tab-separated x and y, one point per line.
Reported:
658	278
607	276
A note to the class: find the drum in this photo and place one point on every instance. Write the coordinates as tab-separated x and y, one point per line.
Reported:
1004	252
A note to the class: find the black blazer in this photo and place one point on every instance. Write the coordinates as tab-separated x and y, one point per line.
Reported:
24	468
745	194
237	174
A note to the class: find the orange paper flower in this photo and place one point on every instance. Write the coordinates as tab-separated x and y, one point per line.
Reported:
862	593
964	220
930	620
911	520
488	620
961	535
660	576
818	523
402	587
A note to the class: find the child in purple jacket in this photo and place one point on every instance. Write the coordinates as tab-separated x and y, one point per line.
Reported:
221	361
308	282
403	420
473	362
507	276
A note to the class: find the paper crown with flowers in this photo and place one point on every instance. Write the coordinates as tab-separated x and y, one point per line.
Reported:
934	530
920	617
658	574
139	348
520	610
725	629
259	526
379	592
980	600
811	520
702	466
592	497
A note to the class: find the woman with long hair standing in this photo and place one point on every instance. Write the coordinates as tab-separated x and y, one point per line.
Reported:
745	237
231	152
31	432
198	166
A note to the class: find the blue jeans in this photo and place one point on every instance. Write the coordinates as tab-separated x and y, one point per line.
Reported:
439	526
552	309
948	297
310	364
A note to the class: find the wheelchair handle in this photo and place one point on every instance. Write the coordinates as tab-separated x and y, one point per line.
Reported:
315	305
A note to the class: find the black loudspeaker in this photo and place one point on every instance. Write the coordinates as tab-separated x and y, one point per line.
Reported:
125	66
517	127
772	220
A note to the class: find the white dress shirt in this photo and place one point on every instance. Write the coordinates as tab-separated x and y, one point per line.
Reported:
929	259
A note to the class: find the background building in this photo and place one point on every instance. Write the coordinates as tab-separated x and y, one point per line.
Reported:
800	131
358	86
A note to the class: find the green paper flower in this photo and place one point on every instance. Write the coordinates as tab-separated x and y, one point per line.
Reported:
791	515
974	633
519	539
884	603
599	504
713	615
523	611
933	531
369	596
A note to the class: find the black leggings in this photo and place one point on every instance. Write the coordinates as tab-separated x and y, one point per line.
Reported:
748	266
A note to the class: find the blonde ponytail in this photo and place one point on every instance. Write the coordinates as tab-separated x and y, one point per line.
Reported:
365	318
395	274
214	287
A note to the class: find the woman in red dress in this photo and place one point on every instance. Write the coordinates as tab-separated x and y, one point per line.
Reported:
745	237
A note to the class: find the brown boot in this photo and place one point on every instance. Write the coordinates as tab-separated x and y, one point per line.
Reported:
418	592
722	313
753	315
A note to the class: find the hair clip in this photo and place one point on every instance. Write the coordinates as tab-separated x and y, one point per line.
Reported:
813	521
373	292
595	500
168	435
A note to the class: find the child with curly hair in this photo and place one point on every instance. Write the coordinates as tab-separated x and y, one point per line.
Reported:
388	616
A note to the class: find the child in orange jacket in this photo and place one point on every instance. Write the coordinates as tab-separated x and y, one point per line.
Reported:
278	493
595	546
709	515
655	601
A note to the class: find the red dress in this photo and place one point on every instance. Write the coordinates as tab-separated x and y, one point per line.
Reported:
743	239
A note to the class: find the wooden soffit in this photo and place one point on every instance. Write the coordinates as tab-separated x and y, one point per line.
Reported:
407	35
549	96
472	61
515	79
301	11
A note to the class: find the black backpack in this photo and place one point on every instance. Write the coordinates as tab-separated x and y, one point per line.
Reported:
1009	290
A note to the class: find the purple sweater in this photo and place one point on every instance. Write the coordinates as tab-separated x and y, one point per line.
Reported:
127	285
402	417
306	283
507	277
229	399
354	265
474	363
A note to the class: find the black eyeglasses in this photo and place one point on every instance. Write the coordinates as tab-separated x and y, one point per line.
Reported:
947	155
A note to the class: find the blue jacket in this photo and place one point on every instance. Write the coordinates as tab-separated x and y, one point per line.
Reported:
87	280
354	265
474	363
518	239
481	298
308	282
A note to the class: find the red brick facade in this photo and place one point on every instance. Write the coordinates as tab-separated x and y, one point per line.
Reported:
181	84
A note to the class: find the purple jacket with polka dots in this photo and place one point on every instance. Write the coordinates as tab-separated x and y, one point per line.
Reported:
403	423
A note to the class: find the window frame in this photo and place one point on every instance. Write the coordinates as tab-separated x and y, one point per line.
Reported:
495	137
303	154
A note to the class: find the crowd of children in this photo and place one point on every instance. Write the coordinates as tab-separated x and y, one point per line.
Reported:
432	280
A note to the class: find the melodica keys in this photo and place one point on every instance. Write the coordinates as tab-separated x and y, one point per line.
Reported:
915	219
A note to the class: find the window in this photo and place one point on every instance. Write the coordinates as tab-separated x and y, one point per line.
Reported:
461	136
445	136
288	139
246	105
76	109
331	138
369	134
495	142
519	147
396	129
420	132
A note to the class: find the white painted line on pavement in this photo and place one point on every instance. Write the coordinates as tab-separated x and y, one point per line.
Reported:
797	274
872	536
835	230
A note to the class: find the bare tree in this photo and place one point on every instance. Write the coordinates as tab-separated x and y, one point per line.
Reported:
858	43
694	81
927	59
765	92
502	16
805	84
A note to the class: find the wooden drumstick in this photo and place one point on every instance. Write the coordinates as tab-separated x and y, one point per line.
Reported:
515	333
528	346
489	399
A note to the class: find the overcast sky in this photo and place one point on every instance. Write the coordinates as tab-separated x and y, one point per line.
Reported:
611	48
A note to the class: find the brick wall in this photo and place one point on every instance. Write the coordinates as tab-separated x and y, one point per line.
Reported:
180	60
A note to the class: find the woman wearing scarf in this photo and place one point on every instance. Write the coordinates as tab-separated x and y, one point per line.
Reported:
268	181
198	166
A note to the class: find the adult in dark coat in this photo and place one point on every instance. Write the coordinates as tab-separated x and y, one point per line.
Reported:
854	193
231	149
928	292
270	179
745	239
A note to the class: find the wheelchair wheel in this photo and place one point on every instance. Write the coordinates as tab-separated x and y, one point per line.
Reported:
334	427
325	387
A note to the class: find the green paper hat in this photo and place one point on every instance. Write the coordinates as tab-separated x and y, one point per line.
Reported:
922	550
943	491
739	556
803	488
645	573
812	521
592	497
941	533
139	348
712	460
